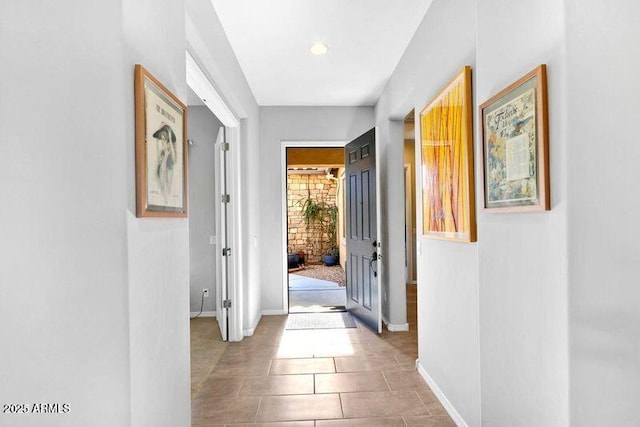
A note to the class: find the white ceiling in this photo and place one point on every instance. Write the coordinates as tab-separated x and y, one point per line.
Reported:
366	39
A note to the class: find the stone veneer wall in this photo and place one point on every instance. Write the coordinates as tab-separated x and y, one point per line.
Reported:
309	239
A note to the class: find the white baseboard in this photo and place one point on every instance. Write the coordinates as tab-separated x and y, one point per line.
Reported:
249	332
455	416
399	327
395	327
203	314
274	312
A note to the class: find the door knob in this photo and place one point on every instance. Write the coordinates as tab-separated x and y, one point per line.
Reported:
374	257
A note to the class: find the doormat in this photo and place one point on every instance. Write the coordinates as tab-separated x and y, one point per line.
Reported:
316	309
320	321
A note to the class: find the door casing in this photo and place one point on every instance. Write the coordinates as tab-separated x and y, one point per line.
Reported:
283	188
198	81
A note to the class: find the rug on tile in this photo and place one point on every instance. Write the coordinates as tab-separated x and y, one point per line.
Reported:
320	321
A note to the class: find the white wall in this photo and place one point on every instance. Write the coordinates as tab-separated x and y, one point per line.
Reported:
208	43
603	227
292	124
393	284
203	129
158	249
103	296
64	311
522	257
534	280
447	272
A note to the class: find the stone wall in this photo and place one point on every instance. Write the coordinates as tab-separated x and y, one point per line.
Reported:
311	239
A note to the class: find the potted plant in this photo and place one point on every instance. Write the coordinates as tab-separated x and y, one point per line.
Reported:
301	256
323	217
293	260
332	256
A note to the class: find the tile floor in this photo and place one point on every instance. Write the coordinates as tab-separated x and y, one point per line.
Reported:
310	378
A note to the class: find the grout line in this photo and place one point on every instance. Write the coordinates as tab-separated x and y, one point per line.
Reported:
387	381
241	384
341	407
255	419
422	401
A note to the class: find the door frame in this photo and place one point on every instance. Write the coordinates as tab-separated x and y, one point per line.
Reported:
198	81
284	144
409	226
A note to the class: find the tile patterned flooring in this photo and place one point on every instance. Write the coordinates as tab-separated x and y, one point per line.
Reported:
310	378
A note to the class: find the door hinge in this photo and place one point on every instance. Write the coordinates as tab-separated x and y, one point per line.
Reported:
224	146
226	198
226	303
226	251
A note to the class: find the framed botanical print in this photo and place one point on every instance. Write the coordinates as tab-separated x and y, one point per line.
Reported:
515	138
161	149
446	144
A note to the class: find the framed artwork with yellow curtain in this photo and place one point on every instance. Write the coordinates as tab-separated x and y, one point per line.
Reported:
446	143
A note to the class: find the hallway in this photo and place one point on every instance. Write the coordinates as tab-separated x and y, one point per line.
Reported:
305	378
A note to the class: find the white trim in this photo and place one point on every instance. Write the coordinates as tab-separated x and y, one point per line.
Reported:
202	87
410	245
283	203
221	273
274	312
453	413
249	332
203	314
236	234
381	246
201	52
397	327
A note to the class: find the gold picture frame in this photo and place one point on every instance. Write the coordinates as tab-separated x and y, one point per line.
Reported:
446	145
161	149
515	146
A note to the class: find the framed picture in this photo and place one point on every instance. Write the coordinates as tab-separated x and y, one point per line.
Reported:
446	144
161	149
515	138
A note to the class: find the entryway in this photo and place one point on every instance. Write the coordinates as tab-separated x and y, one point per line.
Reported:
315	248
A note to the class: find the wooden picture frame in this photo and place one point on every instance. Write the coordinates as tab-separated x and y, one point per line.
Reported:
515	152
446	145
161	149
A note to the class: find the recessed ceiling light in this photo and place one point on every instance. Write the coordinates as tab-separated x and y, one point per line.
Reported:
318	48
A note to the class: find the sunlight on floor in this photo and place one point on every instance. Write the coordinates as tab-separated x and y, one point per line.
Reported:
316	342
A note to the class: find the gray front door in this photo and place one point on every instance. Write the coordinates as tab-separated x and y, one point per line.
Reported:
362	266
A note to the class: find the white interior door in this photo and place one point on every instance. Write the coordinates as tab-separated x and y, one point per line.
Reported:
222	231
